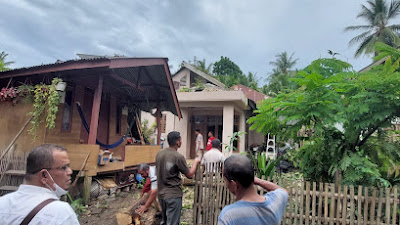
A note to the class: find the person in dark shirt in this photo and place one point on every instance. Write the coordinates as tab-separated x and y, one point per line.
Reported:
169	165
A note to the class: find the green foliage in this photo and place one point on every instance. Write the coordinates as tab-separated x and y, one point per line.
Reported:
185	89
230	74
235	137
340	116
77	205
45	106
198	85
147	131
263	165
3	64
377	29
280	79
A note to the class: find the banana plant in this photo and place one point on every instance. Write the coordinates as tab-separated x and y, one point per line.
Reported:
264	166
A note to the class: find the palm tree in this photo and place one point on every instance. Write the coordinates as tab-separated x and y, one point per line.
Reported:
283	63
377	29
202	66
3	62
279	79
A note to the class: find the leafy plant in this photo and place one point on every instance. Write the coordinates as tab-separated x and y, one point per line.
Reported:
235	137
147	132
46	100
185	89
341	118
8	94
77	205
198	85
263	165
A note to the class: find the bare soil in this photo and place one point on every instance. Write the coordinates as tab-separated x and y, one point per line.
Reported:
103	211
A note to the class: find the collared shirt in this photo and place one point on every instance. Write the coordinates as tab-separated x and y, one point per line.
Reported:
14	207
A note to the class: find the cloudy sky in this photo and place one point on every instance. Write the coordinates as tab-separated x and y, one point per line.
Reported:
249	32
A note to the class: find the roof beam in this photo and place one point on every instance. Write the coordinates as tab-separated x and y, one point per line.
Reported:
127	82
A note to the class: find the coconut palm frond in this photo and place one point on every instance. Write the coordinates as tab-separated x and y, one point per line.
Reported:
363	46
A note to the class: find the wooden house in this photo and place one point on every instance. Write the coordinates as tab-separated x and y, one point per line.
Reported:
111	93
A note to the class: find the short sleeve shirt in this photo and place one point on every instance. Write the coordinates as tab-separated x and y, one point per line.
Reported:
268	212
169	166
209	143
199	142
153	177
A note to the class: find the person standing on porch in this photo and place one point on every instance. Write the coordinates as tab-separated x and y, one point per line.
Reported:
199	143
210	139
169	166
36	201
250	208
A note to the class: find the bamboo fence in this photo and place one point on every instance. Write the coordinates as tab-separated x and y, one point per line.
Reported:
309	203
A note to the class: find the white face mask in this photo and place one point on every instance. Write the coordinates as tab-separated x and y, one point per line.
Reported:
59	191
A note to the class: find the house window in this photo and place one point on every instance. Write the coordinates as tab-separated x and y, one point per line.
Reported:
67	112
183	81
118	121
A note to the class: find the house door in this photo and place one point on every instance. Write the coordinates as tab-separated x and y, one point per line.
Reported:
103	127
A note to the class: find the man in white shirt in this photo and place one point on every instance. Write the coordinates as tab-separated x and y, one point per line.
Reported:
214	155
48	176
199	143
148	172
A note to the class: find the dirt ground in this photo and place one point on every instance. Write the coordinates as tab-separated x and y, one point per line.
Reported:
103	212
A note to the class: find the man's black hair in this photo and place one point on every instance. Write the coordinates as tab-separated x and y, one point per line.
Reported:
216	143
240	169
198	130
40	158
173	137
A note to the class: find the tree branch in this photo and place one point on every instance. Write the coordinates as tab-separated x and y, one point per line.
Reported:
371	132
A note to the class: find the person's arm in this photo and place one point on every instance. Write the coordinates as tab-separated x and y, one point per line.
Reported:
269	186
150	200
193	169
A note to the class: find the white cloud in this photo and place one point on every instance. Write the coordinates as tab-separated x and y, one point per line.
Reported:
251	32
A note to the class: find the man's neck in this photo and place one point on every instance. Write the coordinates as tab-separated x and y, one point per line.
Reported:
249	195
174	148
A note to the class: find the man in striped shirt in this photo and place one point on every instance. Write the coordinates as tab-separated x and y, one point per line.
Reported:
250	208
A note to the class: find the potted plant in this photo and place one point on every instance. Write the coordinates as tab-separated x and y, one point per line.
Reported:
45	105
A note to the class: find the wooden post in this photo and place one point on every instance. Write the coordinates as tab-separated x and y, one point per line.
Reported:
87	183
158	115
94	122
